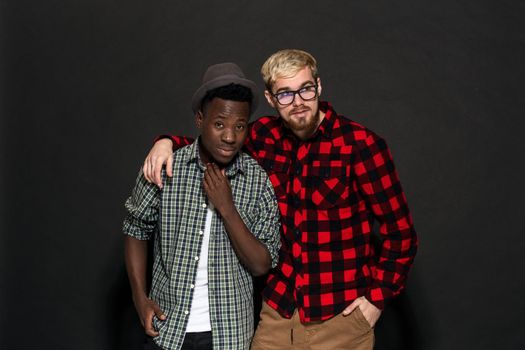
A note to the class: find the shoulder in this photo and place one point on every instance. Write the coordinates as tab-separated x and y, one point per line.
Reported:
252	168
349	132
181	155
264	126
184	150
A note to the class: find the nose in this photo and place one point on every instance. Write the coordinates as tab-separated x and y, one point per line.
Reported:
297	99
228	136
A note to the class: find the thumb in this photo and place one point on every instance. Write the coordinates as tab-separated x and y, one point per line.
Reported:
350	308
158	312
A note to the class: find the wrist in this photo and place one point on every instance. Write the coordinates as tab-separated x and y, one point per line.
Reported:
167	142
139	297
228	211
162	137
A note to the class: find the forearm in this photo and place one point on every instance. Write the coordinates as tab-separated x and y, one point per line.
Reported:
394	261
175	142
387	202
135	255
250	251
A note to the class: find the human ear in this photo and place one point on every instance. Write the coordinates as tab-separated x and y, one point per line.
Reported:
269	98
198	119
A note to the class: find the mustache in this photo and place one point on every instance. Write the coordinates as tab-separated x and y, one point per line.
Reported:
299	110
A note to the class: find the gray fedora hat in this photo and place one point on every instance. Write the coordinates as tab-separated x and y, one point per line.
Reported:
223	74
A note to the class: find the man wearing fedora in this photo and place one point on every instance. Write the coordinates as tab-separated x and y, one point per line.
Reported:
214	224
333	179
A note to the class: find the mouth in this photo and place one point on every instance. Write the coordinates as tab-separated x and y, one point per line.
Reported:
227	151
298	112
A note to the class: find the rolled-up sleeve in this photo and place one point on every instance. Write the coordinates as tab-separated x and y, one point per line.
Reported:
142	209
267	224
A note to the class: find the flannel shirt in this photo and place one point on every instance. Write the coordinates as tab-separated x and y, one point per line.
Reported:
176	217
330	189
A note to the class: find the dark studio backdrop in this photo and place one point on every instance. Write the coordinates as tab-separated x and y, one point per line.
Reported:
87	84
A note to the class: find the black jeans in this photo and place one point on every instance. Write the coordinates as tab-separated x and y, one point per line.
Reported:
192	341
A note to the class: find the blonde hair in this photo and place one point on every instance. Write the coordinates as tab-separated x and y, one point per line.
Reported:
286	63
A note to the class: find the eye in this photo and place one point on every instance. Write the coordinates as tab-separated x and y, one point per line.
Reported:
307	88
240	127
284	94
219	125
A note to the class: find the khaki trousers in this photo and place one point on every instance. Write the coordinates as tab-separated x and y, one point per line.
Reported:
274	332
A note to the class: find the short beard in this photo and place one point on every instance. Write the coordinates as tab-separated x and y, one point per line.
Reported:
304	130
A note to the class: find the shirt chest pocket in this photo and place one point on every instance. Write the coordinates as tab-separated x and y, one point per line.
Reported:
278	172
328	184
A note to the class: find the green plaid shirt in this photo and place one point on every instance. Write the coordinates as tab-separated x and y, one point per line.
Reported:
176	216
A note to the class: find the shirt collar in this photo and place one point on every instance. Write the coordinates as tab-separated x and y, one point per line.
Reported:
193	156
327	125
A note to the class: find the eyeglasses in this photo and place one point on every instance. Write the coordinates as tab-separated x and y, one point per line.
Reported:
307	93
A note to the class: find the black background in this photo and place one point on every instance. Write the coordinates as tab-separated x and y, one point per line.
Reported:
87	84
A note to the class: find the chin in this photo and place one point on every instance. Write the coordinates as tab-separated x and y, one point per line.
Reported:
301	125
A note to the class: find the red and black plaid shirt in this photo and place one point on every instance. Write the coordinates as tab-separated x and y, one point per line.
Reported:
330	189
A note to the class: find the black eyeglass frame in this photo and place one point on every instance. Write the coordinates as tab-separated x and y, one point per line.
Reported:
297	92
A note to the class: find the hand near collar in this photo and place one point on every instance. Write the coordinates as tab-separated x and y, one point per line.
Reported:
217	188
251	252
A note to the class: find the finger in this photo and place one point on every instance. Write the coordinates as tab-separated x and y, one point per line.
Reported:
220	173
158	312
148	326
216	170
145	170
350	308
215	173
152	332
149	168
157	169
206	173
169	167
210	175
207	182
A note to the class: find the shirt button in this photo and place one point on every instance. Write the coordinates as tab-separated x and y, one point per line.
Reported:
186	312
196	258
192	286
204	205
201	232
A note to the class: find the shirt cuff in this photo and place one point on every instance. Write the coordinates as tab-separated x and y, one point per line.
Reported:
378	297
161	137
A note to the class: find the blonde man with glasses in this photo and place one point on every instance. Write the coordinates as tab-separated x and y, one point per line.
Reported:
332	178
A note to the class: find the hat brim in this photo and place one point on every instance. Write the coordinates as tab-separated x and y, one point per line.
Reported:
223	81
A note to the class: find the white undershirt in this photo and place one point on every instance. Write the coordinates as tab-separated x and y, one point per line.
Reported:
199	319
